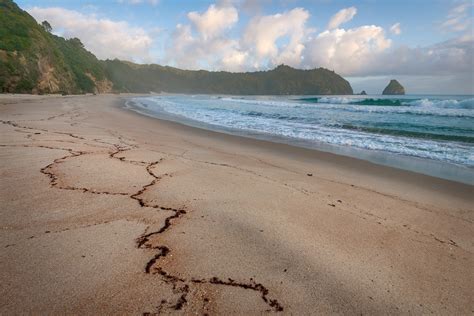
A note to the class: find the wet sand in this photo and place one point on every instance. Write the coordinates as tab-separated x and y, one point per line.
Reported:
103	210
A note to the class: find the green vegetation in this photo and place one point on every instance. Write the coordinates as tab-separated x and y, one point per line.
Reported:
47	27
32	60
81	62
281	80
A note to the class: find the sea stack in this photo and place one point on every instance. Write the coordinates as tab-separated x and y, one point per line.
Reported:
394	88
363	92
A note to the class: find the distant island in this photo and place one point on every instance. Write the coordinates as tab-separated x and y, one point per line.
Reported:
33	60
394	88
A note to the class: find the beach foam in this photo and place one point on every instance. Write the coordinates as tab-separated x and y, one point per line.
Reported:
428	128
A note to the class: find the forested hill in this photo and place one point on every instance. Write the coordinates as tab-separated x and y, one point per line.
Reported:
281	80
33	60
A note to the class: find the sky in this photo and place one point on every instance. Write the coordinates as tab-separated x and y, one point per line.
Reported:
427	45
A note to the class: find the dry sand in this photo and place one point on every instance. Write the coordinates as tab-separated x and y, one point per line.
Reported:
107	211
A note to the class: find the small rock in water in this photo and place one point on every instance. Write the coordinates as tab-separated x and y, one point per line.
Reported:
394	88
309	174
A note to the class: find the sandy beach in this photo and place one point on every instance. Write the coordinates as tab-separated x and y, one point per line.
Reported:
106	211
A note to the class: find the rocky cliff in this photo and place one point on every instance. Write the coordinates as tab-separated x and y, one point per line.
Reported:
394	88
32	60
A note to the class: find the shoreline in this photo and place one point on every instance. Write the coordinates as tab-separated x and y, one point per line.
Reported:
434	168
132	214
350	163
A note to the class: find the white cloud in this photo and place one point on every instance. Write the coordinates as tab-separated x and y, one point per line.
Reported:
262	34
202	43
104	37
442	59
459	18
214	21
234	60
285	38
341	17
346	51
395	29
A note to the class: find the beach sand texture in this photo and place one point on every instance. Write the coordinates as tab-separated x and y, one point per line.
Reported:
107	211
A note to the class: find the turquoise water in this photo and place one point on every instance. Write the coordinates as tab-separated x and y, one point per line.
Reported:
438	131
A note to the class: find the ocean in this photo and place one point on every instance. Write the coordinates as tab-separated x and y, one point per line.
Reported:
429	134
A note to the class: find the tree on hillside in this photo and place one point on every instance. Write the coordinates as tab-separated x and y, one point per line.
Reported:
77	42
47	27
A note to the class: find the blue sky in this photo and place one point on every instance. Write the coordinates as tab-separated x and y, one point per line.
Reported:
426	44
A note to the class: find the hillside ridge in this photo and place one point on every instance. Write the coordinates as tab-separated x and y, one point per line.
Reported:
33	60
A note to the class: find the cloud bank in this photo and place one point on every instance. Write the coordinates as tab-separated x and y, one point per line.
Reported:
214	39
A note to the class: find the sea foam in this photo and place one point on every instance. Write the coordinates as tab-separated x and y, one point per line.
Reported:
427	127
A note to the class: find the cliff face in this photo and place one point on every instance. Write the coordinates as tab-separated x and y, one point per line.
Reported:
29	61
394	88
32	60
